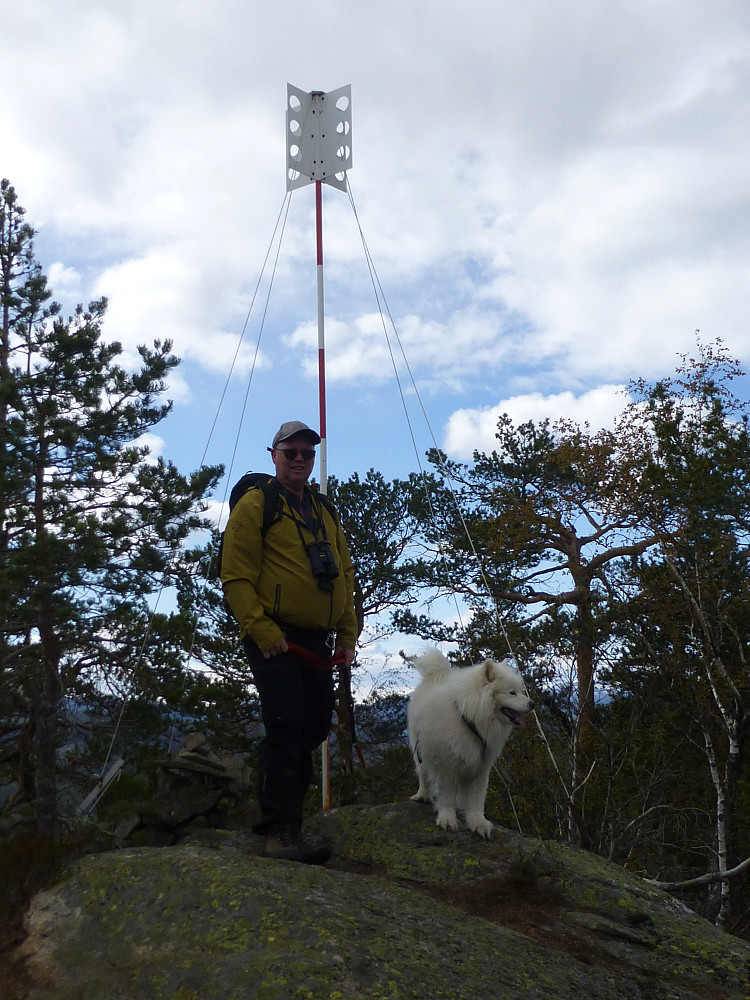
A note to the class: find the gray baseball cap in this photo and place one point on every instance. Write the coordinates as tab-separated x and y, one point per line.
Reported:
292	427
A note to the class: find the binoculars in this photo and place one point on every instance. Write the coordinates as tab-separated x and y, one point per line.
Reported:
323	563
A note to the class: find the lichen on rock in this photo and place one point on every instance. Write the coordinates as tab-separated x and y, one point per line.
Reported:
402	910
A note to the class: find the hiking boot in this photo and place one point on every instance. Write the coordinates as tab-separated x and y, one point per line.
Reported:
282	843
314	850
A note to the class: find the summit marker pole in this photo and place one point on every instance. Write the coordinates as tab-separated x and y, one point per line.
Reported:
318	151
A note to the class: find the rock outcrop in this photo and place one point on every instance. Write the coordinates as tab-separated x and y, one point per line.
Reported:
402	910
194	784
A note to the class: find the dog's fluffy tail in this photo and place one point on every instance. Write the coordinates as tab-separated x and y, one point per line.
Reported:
433	666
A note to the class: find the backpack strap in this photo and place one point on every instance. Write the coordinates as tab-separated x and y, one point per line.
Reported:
325	502
271	503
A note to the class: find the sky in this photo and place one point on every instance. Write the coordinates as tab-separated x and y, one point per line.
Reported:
554	196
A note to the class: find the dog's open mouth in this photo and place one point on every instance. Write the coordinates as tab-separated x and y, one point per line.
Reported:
514	716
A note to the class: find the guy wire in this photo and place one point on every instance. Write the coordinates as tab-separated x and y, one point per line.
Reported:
380	296
228	476
283	214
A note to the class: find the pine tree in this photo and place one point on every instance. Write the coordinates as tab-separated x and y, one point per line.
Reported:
90	525
544	520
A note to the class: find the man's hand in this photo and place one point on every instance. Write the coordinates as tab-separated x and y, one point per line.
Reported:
347	654
279	646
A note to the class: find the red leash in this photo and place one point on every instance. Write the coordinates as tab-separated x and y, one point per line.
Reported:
312	659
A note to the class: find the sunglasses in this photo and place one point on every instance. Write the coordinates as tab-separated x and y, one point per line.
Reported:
308	454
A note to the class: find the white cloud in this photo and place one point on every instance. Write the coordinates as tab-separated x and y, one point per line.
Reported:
64	282
469	430
155	445
627	257
154	297
217	512
555	195
441	355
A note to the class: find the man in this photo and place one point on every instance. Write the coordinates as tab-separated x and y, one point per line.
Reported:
292	587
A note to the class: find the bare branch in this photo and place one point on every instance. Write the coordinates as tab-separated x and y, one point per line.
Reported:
706	879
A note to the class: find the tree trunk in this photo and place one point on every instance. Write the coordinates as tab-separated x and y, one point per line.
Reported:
46	725
583	744
725	787
585	680
50	687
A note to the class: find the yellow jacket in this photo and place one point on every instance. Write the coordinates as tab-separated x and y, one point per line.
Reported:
267	578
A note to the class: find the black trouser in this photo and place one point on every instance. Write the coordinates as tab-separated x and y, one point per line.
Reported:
297	703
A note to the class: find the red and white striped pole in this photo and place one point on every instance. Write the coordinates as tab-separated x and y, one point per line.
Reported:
323	471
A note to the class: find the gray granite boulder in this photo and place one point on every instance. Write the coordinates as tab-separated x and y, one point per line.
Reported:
402	910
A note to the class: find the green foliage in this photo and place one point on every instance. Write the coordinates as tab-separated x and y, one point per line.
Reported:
392	534
623	555
209	628
693	603
549	533
91	527
381	720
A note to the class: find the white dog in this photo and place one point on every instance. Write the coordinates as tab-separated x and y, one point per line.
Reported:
459	720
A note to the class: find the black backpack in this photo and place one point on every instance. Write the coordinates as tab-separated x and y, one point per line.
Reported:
271	489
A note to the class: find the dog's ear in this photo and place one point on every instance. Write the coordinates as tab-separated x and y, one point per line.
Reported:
489	671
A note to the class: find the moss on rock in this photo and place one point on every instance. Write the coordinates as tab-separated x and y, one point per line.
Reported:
403	910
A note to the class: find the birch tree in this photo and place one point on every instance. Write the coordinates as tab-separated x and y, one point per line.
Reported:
695	496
